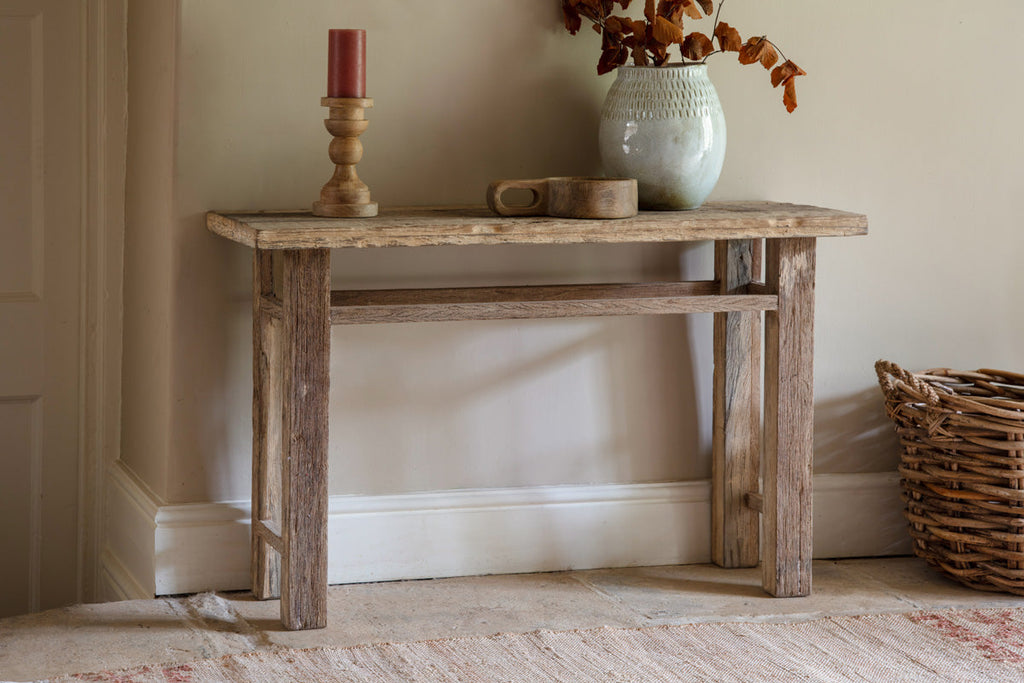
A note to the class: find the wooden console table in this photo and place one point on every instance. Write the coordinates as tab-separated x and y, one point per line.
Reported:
293	312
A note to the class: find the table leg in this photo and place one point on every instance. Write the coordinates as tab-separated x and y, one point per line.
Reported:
306	343
266	430
736	440
789	418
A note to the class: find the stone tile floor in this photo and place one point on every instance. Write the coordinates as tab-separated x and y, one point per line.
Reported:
85	638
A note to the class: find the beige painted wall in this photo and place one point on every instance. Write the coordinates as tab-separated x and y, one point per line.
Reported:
923	141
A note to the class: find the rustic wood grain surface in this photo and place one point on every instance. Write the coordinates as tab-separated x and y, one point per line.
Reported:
266	435
736	428
306	384
787	518
436	226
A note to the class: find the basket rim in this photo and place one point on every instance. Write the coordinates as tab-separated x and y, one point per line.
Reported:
985	391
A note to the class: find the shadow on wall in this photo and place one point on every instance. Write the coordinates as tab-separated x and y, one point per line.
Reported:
853	434
213	368
520	403
513	403
451	157
484	118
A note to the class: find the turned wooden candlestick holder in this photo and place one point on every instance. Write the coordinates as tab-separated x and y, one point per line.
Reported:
345	195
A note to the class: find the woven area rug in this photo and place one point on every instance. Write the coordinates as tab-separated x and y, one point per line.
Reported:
946	645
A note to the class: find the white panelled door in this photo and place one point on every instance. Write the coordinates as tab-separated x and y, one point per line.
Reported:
41	225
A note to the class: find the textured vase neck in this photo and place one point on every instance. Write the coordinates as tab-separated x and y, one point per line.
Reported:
661	92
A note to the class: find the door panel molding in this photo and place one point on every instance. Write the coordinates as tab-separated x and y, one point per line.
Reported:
23	203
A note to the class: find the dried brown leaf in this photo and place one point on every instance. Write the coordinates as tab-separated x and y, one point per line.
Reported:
638	50
759	50
637	43
691	9
571	16
612	58
592	9
697	46
728	38
708	6
786	71
617	26
610	40
671	10
659	53
666	33
649	11
789	96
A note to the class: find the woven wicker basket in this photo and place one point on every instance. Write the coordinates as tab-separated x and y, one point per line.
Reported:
962	470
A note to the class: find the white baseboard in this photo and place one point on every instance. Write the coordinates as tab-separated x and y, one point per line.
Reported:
458	533
859	515
127	561
116	582
205	546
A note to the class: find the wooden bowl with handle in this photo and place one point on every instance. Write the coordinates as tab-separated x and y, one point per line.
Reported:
568	197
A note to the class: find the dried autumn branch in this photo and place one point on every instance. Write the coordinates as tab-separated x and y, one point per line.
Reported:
648	41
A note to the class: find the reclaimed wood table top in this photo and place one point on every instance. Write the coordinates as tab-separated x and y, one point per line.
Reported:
476	225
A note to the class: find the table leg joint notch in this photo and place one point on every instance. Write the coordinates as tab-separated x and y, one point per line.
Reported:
272	306
269	532
754	501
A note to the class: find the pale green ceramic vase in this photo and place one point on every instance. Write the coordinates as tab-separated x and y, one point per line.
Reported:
664	126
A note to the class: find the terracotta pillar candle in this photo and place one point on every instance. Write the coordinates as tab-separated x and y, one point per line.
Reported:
346	62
